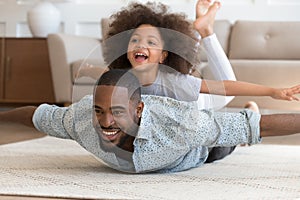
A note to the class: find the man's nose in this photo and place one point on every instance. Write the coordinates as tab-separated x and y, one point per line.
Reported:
107	120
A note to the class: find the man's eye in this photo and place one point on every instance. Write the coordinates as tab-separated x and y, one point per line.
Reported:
117	113
97	111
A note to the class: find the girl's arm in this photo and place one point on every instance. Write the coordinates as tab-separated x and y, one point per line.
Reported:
239	88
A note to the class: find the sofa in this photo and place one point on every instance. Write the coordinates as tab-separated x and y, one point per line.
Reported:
266	53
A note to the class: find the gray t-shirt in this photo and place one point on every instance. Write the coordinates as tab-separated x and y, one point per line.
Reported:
169	83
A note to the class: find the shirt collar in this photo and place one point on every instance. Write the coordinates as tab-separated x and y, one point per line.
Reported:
143	132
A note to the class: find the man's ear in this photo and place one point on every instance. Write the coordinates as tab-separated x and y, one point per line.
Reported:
139	109
163	57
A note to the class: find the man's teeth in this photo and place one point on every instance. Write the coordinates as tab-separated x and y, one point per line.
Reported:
109	132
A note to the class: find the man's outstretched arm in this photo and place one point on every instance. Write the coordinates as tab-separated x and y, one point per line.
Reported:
21	115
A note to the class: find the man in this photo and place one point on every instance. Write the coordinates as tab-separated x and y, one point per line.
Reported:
152	133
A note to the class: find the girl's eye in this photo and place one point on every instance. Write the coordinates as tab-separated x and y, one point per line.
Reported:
152	43
133	40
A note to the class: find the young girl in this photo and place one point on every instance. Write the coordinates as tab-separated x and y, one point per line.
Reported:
170	44
152	40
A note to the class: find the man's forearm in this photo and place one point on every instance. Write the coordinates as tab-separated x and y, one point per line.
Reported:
22	115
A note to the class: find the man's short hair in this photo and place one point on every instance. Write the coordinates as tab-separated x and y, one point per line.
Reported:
122	78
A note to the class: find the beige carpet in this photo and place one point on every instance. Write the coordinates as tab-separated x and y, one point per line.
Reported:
60	168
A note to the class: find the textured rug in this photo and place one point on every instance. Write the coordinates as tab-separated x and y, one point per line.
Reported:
51	167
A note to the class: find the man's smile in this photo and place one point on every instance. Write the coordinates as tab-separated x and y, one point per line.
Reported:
110	134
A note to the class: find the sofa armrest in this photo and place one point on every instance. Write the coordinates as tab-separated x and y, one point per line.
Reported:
65	49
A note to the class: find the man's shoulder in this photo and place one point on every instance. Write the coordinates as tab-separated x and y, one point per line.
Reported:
85	102
152	99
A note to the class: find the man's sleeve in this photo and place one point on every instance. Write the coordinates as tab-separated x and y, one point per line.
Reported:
50	119
224	128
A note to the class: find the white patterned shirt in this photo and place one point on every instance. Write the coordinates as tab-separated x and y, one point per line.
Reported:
173	135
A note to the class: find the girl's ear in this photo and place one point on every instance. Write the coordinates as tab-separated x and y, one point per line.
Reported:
163	57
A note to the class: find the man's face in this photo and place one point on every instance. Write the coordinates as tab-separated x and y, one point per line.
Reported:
116	117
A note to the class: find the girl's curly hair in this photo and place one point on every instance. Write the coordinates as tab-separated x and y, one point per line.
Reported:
175	29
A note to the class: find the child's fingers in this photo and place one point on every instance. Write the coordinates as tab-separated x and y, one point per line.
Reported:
294	98
291	95
296	89
293	90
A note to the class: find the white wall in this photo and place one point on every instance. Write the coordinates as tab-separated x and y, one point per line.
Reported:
82	17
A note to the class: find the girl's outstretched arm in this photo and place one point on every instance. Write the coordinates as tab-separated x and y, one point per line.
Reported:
239	88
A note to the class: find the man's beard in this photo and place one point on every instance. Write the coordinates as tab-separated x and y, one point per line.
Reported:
124	142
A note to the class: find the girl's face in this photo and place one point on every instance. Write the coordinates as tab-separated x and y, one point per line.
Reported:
146	46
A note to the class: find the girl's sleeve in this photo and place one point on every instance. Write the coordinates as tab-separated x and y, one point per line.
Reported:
220	68
217	60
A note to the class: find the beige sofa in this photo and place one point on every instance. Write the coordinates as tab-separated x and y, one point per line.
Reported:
267	53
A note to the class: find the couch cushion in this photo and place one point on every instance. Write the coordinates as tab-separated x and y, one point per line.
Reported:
265	40
273	73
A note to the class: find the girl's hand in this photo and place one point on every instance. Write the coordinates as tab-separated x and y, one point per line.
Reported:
287	93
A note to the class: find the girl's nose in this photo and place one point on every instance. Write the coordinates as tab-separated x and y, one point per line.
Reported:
141	45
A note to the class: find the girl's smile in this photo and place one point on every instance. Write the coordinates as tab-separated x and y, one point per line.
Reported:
146	46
